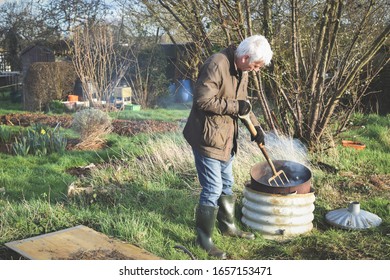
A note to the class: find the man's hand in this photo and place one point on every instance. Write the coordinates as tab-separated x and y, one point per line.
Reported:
259	138
243	107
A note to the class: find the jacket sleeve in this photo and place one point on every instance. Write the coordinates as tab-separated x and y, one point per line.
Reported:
208	95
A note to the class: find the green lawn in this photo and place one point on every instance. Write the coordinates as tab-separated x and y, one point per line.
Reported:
145	190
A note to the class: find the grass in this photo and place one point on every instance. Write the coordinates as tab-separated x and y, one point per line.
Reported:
145	192
175	112
10	107
6	106
374	132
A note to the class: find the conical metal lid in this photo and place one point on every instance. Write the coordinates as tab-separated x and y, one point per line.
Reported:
352	217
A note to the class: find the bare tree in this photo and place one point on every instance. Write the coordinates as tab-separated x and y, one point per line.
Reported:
21	24
141	35
322	49
147	72
65	15
98	62
315	76
213	25
183	22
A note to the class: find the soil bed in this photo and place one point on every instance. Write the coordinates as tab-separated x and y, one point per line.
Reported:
120	127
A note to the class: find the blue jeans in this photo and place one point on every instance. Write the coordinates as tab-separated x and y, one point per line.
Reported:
215	177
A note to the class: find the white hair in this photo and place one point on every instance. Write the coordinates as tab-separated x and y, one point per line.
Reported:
257	48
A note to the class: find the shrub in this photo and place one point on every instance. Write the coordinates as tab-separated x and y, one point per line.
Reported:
47	81
92	125
56	107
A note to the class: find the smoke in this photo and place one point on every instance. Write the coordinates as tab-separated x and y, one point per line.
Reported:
277	148
280	147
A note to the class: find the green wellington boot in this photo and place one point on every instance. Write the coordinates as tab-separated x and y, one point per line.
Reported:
205	222
225	218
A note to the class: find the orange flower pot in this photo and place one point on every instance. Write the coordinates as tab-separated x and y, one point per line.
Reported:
353	144
73	98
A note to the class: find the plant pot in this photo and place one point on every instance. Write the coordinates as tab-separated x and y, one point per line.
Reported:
353	144
73	98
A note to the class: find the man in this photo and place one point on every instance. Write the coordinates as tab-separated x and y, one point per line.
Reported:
220	95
